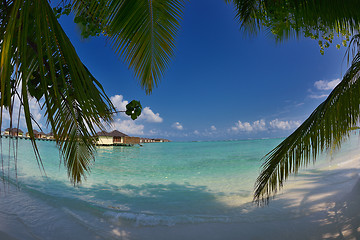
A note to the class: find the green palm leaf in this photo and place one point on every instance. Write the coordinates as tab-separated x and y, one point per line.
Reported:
142	32
327	127
38	54
287	18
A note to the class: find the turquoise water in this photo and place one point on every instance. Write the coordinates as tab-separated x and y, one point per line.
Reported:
157	184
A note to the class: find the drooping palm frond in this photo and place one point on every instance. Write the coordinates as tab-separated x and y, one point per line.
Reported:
328	126
142	32
38	53
246	11
330	123
285	18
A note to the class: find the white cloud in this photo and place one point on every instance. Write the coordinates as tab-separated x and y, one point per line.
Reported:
119	102
213	128
258	125
314	96
148	115
177	126
322	88
124	124
35	111
128	127
196	132
244	126
284	125
327	85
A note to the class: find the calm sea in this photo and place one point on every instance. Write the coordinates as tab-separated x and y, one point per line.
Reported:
156	184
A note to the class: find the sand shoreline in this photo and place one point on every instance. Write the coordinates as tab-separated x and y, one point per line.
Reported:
322	204
324	216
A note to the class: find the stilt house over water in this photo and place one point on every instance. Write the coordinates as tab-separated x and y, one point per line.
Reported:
37	134
115	138
50	135
13	132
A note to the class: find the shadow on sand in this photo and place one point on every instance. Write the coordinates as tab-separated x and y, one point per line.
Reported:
321	207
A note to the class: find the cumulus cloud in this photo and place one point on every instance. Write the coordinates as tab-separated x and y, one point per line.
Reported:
128	127
327	85
239	126
177	126
258	125
35	111
284	125
119	102
124	124
196	132
148	115
261	125
213	128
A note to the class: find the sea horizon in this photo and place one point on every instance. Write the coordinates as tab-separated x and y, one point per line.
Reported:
160	184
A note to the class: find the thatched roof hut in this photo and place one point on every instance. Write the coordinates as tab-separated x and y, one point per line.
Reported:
116	138
14	131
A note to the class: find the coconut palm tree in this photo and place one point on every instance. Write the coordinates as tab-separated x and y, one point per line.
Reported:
331	122
38	61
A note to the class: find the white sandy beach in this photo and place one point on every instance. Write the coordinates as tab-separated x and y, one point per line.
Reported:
321	204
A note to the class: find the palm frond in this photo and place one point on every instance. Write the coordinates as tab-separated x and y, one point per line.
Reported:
328	126
42	57
142	32
286	18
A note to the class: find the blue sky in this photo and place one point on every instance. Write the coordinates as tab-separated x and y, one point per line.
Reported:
221	84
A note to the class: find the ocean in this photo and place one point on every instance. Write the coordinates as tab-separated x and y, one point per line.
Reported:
157	184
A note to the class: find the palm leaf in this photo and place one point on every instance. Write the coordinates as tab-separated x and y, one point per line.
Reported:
48	68
142	32
328	126
287	18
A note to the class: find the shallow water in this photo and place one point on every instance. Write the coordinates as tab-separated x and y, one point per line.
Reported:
157	184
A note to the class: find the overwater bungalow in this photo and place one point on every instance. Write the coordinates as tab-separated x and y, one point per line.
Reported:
37	134
42	135
115	138
50	136
13	132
